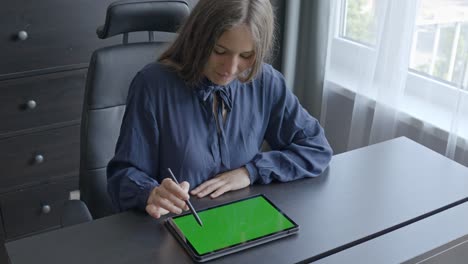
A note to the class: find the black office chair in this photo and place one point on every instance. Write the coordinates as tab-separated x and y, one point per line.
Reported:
110	73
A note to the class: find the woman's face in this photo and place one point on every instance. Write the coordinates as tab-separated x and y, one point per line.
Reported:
232	54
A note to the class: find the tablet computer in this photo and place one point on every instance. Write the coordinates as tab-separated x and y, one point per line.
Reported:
231	227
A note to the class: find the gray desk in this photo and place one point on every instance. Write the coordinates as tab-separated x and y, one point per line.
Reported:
365	193
441	238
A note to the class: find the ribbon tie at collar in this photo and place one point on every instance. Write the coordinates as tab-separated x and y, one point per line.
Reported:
206	92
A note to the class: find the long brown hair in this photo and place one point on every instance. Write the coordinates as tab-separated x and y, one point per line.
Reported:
209	19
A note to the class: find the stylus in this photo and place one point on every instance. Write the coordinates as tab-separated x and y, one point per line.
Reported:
188	201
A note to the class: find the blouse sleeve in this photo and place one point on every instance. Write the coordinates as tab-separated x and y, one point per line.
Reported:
299	146
130	172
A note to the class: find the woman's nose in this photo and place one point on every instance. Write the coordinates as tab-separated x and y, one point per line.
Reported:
231	64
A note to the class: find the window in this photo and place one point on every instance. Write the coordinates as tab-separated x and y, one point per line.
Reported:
440	45
358	23
435	35
440	42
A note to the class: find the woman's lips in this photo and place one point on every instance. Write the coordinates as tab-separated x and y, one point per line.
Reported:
224	76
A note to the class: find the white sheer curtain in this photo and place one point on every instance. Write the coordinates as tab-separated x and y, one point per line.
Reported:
389	100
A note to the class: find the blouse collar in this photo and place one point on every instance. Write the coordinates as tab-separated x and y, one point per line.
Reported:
207	88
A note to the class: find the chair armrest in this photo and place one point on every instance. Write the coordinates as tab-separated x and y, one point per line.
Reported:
74	212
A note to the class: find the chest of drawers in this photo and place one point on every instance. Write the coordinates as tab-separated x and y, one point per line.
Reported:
45	47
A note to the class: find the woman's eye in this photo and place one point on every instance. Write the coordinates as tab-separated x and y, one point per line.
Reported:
220	52
246	56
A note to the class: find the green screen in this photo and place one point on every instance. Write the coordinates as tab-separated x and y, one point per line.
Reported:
232	224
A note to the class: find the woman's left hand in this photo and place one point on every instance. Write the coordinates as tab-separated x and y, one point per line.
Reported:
224	182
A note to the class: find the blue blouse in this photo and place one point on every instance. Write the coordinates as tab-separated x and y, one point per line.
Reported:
169	125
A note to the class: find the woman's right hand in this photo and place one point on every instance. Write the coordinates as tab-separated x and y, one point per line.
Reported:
168	197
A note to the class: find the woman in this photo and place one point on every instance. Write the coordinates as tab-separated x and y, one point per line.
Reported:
205	108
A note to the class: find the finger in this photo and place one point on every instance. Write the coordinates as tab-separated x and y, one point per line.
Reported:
155	211
152	210
166	204
221	190
185	186
160	194
175	189
173	199
202	186
198	189
211	188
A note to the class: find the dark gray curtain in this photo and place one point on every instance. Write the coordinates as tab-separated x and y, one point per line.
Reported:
279	8
311	53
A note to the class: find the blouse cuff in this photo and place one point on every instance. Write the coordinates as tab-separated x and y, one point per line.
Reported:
253	173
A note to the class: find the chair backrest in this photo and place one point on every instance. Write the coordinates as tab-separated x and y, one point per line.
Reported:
110	73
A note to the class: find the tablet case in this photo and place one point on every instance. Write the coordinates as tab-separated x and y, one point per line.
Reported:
177	233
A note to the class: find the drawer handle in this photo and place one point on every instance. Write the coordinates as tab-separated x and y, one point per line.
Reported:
38	159
46	209
22	35
31	104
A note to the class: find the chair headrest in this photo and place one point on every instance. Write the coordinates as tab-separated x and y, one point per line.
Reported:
144	15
